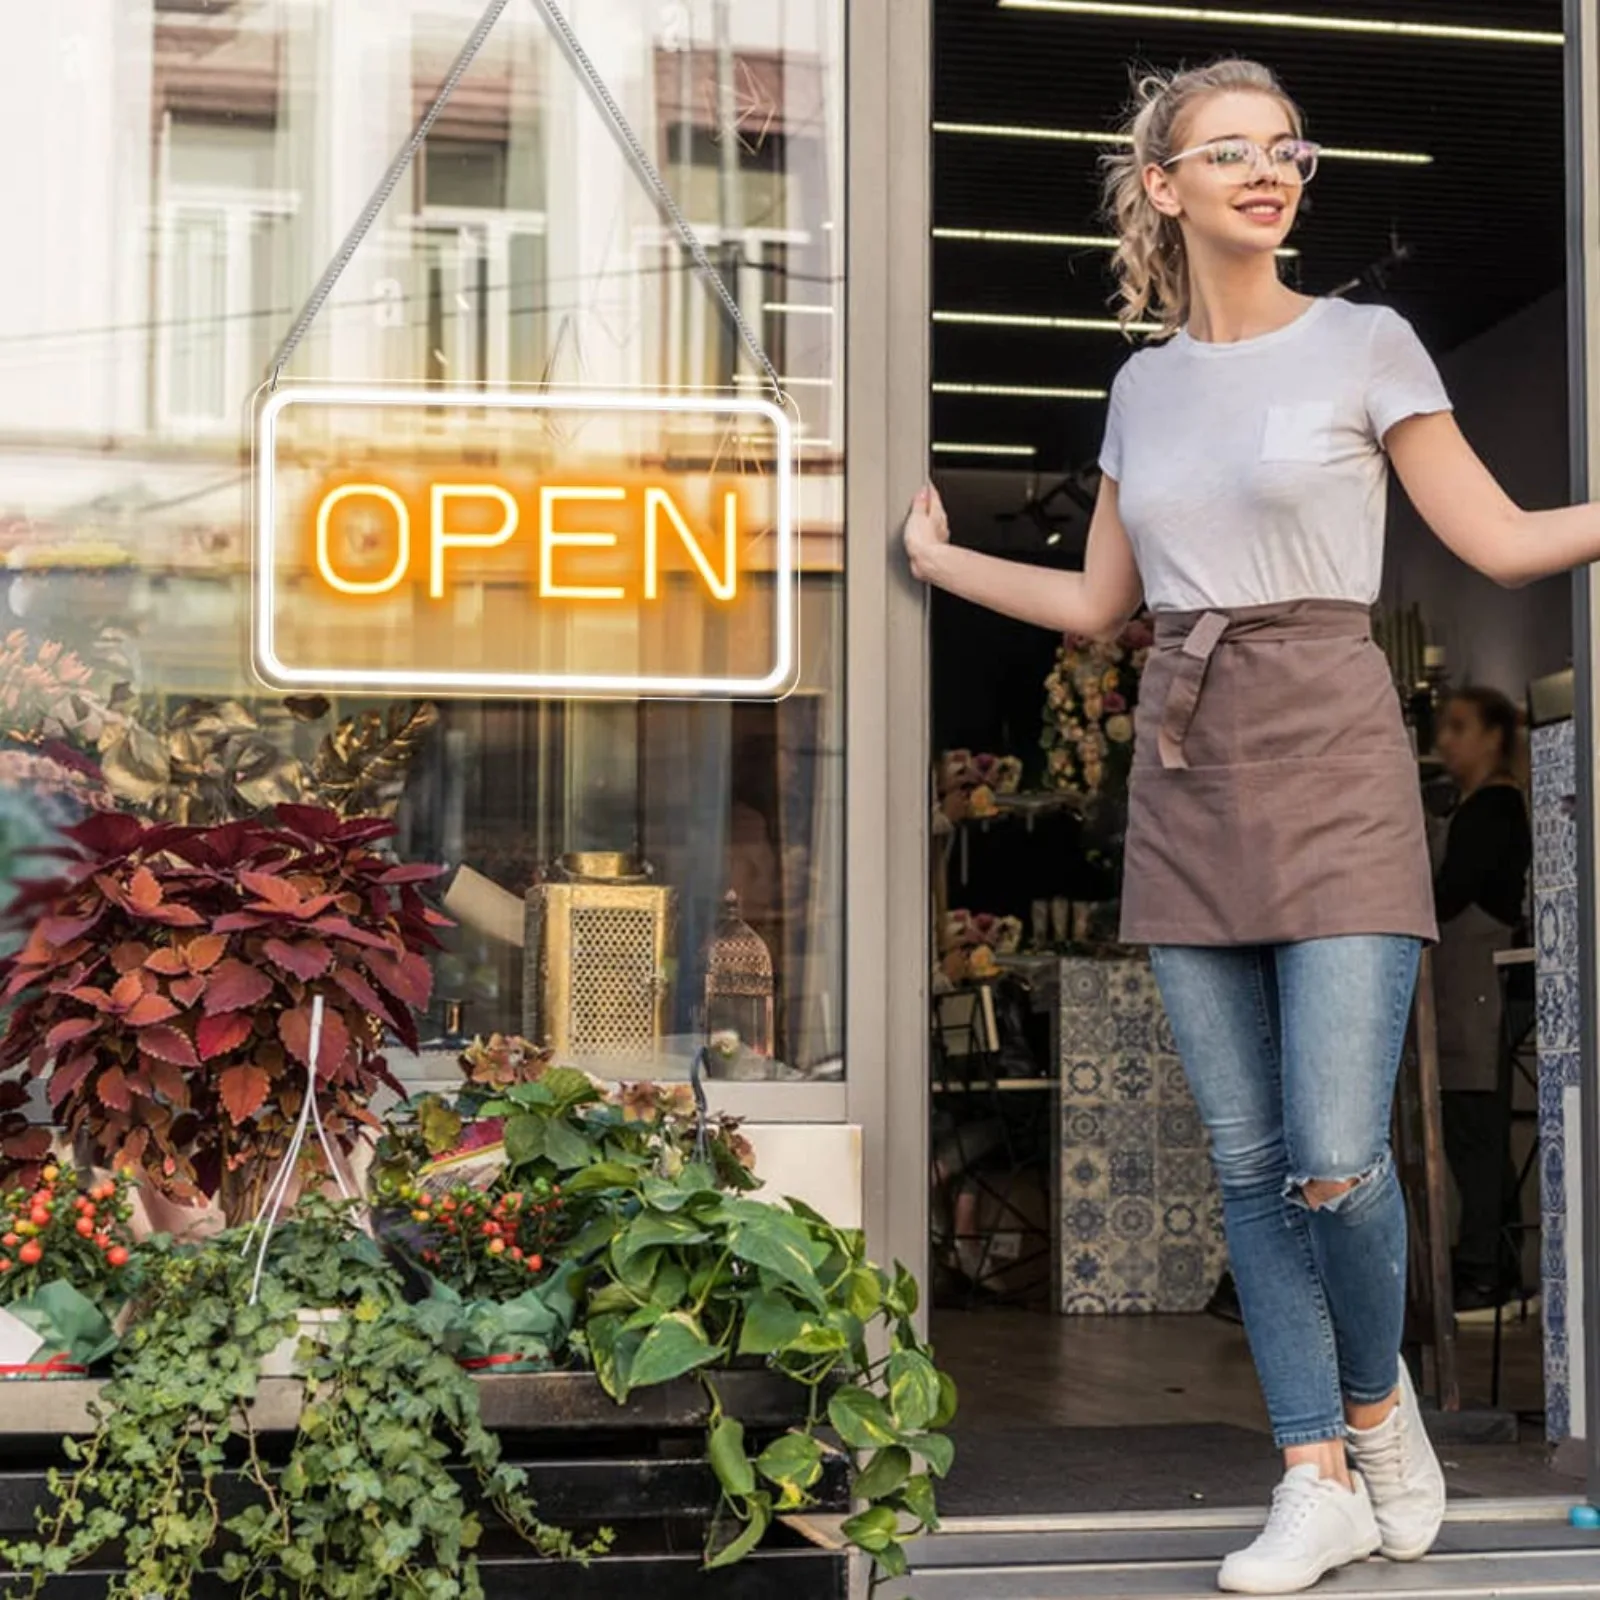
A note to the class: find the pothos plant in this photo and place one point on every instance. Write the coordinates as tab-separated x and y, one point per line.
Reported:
366	1503
166	986
675	1272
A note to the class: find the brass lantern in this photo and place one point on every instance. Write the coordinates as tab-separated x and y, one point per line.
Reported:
739	992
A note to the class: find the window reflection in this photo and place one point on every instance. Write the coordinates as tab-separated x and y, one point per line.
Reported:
230	147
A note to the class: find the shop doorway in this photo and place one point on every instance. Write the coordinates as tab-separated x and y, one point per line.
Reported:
1080	1292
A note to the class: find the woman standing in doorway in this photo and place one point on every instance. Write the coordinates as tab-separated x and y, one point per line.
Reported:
1276	860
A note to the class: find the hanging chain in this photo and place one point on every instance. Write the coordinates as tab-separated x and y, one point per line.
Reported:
645	170
605	103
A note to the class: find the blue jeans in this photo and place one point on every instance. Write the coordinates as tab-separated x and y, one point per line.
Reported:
1292	1051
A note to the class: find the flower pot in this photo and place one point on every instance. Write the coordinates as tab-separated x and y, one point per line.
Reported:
283	1360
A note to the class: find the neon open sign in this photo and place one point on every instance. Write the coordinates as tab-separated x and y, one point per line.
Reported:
472	542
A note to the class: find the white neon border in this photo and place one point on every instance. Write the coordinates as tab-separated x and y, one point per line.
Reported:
263	642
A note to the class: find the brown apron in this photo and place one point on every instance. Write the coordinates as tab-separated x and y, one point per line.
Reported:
1466	988
1274	795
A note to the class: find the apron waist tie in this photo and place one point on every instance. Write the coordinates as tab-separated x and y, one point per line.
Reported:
1195	637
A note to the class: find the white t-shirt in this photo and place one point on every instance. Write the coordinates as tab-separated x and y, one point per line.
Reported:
1253	473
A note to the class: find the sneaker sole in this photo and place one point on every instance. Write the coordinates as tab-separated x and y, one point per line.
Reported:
1307	1579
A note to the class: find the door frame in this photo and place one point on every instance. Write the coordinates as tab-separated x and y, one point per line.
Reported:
888	795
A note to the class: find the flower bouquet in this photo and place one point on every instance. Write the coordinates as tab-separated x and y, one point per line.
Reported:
1090	697
66	1259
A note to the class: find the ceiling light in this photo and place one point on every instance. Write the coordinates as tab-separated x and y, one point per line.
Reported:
1009	130
1018	391
1287	19
1068	241
792	308
1005	319
984	450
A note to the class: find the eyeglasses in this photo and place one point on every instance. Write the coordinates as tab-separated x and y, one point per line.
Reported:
1291	161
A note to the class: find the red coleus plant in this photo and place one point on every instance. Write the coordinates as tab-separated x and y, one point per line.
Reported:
165	991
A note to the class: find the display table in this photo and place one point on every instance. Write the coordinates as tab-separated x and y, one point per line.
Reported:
1140	1220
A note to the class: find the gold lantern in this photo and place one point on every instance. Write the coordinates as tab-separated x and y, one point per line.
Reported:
595	974
739	991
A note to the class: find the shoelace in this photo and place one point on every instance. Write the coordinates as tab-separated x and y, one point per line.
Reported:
1292	1502
1383	1460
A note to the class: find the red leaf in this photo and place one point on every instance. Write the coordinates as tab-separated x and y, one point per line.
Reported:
361	991
277	893
67	1078
167	1044
409	978
187	990
128	989
222	1034
177	916
343	928
169	963
92	996
107	833
112	1087
244	1091
234	986
239	922
65	1032
410	872
294	1028
204	953
38	951
150	1008
144	892
168	1081
310	958
63	930
130	955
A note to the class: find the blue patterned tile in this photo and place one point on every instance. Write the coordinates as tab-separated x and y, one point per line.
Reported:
1558	1016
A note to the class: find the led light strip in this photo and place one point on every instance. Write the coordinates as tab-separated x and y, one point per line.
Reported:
1015	391
1007	130
1289	19
278	675
1005	319
952	449
1066	241
793	308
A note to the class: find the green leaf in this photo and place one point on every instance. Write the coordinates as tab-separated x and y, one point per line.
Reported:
614	1351
638	1272
566	1087
913	1389
524	1138
919	1499
771	1324
888	1469
651	1228
949	1399
862	1291
728	1460
793	1462
902	1298
861	1420
767	1237
937	1450
613	1299
760	1517
439	1124
565	1147
874	1530
892	1561
671	1288
602	1175
675	1345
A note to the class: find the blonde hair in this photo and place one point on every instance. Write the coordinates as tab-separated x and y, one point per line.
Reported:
1152	272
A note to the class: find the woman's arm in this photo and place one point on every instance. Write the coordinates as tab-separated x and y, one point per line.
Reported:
1094	602
1458	497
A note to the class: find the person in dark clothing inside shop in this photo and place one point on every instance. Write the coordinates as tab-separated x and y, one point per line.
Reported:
1479	893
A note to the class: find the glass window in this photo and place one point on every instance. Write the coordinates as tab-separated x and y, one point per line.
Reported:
591	846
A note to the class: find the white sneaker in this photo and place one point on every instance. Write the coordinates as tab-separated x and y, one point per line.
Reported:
1314	1526
1403	1477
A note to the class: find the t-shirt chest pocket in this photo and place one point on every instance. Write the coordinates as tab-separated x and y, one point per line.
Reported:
1300	432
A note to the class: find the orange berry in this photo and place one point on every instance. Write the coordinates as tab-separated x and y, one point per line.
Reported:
116	1256
497	1247
30	1253
85	1226
102	1241
516	1252
535	1263
39	1217
51	1173
5	1264
11	1241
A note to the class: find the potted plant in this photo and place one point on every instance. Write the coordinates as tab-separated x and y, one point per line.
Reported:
164	992
66	1268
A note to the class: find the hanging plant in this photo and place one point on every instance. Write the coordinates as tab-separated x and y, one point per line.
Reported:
165	991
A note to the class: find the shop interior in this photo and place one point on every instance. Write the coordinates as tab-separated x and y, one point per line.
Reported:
1080	1276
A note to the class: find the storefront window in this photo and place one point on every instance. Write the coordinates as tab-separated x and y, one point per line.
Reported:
192	166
